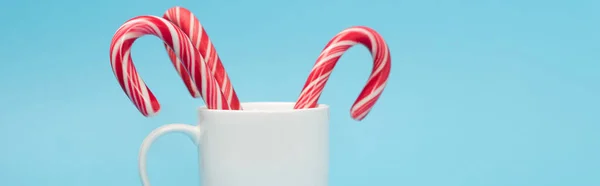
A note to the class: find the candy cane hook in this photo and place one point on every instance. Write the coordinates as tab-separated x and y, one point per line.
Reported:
187	81
133	85
331	54
189	23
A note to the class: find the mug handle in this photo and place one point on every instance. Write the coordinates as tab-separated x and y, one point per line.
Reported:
193	132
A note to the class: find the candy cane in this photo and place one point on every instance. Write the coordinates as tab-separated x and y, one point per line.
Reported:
133	85
188	82
331	54
190	25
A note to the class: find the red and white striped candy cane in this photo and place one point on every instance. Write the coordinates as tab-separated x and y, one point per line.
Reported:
331	54
133	85
189	84
191	26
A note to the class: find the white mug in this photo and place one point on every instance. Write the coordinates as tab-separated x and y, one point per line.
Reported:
266	144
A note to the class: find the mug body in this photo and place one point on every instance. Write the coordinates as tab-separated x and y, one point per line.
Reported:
266	144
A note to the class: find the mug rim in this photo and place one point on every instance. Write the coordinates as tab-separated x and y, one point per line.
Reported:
291	104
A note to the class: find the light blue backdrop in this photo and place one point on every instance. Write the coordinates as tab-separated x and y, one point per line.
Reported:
482	93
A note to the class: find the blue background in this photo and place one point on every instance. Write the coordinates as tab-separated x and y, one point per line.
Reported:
482	93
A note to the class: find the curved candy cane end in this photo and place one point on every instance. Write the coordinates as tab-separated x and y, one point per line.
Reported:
155	109
151	114
154	106
357	116
357	119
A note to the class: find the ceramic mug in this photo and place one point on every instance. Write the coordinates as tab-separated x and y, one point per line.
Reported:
266	144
